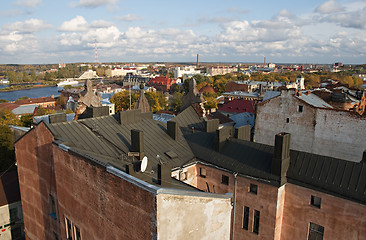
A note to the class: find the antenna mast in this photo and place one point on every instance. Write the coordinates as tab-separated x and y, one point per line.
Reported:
96	52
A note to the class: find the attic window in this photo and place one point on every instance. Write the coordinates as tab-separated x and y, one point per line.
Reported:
301	108
253	189
315	201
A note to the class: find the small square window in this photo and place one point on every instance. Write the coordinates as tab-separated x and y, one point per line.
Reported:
253	189
301	108
287	120
225	179
315	201
202	172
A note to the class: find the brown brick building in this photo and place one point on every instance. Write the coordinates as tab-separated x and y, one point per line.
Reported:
84	179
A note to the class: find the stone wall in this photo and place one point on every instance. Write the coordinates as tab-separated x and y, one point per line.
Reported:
333	133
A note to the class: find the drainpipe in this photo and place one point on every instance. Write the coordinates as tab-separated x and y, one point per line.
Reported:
234	205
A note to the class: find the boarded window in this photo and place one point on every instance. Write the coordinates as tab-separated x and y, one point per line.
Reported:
246	218
316	232
256	221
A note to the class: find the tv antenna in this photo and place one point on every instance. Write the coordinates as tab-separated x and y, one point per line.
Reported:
96	52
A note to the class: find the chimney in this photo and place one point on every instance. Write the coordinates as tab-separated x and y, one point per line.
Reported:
197	62
137	142
243	132
212	125
222	135
57	118
130	116
172	129
281	159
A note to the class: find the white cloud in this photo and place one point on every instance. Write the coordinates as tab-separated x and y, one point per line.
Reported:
28	3
31	25
77	24
131	18
329	7
96	3
101	24
352	19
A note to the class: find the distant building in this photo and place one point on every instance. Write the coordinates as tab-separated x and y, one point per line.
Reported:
90	74
135	80
44	102
114	72
220	70
188	71
161	83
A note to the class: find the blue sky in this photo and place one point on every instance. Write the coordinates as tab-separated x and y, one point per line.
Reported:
45	31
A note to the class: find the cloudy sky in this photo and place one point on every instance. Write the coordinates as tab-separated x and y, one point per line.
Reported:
312	31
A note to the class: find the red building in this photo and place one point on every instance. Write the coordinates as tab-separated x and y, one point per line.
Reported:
161	83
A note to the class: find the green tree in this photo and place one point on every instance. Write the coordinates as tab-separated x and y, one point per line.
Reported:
26	120
156	100
9	118
44	111
122	100
7	154
176	102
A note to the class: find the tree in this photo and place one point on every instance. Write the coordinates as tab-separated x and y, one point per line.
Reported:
43	111
156	100
176	101
9	118
7	154
122	100
27	120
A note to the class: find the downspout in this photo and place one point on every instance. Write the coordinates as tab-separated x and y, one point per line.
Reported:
234	205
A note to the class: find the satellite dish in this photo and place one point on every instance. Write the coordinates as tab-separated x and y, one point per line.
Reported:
144	164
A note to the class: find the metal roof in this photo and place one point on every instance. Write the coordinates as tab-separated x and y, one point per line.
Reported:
314	100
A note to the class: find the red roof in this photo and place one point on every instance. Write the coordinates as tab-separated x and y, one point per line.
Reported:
35	100
207	89
238	106
8	106
162	80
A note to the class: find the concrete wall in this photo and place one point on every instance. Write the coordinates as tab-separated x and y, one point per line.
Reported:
101	205
341	219
5	231
192	217
264	201
36	182
325	132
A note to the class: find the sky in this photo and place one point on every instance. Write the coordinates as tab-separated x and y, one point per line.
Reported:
283	31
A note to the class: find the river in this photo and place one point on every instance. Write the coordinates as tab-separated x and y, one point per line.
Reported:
36	93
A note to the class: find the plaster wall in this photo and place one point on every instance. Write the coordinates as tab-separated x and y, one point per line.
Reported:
101	205
341	219
264	201
5	231
272	116
191	217
340	134
331	133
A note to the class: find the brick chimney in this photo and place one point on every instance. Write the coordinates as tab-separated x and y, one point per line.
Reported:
281	158
172	129
137	142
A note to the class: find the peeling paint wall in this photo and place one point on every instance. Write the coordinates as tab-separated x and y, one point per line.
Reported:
264	201
191	217
331	133
341	219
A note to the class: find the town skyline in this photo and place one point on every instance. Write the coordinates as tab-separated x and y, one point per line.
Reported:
312	32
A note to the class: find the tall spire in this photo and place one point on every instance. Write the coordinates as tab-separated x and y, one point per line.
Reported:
142	102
